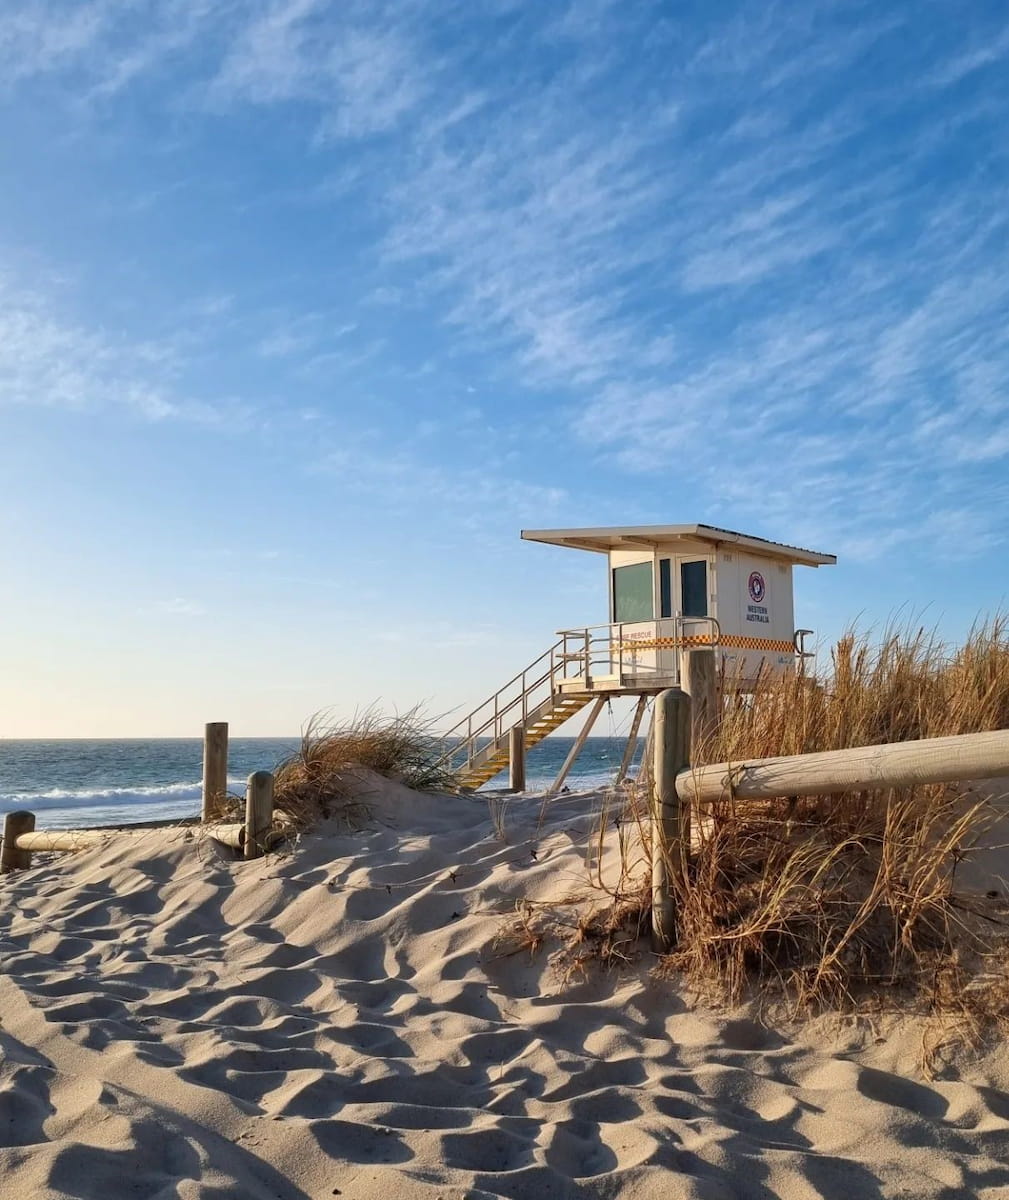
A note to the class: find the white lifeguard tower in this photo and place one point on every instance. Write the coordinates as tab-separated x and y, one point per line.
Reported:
671	588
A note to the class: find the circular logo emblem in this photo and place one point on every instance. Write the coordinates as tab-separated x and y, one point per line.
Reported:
757	587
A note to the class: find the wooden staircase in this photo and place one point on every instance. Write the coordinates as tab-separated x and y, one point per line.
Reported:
535	701
489	760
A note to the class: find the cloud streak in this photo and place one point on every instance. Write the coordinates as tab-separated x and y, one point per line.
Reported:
49	360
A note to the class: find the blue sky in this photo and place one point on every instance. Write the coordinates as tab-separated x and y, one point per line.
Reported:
307	308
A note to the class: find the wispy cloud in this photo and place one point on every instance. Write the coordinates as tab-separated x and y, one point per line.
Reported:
739	247
982	54
474	496
49	359
357	69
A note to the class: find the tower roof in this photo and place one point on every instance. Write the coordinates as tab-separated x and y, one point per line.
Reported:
636	537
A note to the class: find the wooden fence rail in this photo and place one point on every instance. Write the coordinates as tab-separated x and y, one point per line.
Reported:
896	765
260	831
677	786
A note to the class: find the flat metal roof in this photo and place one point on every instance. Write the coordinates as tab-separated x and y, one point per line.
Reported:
634	537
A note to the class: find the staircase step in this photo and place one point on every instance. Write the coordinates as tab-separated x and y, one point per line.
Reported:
492	759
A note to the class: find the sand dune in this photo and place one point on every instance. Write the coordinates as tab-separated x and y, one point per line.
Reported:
339	1021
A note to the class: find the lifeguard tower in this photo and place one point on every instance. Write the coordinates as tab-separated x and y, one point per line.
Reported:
671	588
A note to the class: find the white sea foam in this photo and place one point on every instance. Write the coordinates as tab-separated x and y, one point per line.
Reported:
154	797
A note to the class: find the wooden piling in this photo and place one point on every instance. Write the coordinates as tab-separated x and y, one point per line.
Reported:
12	858
215	768
258	814
670	818
699	676
517	758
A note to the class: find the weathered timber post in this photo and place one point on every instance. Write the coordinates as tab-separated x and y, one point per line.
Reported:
258	813
215	768
700	681
670	819
517	758
11	858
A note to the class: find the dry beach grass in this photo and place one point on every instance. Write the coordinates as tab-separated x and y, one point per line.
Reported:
830	902
323	778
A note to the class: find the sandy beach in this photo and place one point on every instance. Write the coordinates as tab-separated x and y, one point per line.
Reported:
340	1020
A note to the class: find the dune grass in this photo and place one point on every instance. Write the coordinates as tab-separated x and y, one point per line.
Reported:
827	897
826	900
322	778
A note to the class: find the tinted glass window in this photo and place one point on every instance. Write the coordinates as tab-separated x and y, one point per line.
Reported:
665	588
694	588
632	593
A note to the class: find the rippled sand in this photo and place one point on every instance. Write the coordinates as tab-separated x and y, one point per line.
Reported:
339	1021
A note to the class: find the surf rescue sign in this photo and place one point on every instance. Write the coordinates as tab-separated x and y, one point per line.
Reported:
755	601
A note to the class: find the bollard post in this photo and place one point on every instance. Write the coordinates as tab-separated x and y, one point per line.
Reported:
670	819
517	758
11	858
215	769
700	681
258	813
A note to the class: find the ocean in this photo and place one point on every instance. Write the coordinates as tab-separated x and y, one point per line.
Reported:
78	783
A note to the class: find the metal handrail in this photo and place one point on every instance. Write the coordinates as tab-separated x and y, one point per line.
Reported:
679	620
520	677
465	733
588	654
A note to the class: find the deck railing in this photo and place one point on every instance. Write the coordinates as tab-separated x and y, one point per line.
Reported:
581	656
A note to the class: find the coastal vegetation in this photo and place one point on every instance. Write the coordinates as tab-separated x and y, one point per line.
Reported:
824	900
322	778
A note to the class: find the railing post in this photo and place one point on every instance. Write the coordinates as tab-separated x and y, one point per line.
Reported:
588	658
258	813
215	769
517	758
11	858
670	819
699	679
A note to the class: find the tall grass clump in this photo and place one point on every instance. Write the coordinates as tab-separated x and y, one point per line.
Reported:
826	896
323	777
826	900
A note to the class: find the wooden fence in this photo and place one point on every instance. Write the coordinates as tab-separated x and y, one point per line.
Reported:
677	785
261	829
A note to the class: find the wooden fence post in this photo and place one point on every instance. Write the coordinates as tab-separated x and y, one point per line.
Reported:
517	758
215	768
11	858
700	681
670	818
258	813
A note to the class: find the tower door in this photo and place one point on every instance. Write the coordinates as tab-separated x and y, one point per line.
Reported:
683	594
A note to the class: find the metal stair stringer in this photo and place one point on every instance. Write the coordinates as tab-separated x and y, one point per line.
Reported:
549	715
